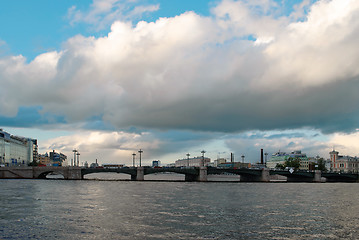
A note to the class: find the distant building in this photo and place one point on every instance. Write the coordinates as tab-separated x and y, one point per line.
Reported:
44	160
234	165
193	162
156	163
343	163
17	151
57	159
94	165
219	161
282	157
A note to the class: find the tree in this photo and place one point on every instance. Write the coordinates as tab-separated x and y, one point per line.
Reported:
321	165
292	163
279	166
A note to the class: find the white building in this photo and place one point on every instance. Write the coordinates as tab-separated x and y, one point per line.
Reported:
16	151
193	162
282	157
340	163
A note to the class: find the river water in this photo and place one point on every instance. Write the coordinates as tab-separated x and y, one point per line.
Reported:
92	209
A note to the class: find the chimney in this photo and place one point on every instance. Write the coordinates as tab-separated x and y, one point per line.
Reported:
262	156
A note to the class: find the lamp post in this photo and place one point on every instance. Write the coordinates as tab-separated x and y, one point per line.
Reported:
75	151
265	154
78	158
188	159
133	159
203	152
140	155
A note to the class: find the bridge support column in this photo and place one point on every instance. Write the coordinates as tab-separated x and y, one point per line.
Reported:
265	175
140	174
73	173
202	177
317	176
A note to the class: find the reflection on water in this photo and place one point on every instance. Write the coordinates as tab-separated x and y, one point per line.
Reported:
57	209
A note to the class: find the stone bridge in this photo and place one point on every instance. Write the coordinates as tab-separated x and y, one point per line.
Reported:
69	173
191	174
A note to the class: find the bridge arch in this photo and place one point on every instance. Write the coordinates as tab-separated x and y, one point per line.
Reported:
44	175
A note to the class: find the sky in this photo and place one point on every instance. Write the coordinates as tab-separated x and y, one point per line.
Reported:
110	77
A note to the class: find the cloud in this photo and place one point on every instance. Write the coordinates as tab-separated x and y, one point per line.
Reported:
104	12
249	144
105	146
192	72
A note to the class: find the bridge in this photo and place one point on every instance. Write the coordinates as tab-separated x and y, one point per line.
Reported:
191	174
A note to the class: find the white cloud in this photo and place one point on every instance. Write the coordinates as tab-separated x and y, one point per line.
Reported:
104	12
345	144
319	50
200	73
107	147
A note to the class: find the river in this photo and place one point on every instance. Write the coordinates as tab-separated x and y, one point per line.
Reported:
92	209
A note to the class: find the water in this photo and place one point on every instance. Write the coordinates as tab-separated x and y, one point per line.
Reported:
89	209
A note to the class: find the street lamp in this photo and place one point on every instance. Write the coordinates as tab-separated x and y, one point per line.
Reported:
140	155
78	159
188	159
75	151
133	159
203	152
265	154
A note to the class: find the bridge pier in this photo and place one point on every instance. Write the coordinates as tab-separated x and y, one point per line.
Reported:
73	173
317	176
202	177
140	174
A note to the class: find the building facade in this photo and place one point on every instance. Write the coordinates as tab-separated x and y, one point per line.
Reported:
193	162
282	157
17	151
57	159
234	165
156	163
44	160
345	164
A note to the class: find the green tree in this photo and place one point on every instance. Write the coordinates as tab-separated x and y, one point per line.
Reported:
292	163
321	165
279	166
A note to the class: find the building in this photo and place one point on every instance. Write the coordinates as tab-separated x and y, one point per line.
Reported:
346	164
193	162
57	159
156	163
17	151
234	165
281	158
44	160
219	161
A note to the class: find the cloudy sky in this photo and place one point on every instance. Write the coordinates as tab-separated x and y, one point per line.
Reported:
109	77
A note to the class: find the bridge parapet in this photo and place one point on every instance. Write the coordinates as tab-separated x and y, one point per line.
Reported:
299	176
16	172
341	177
69	173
